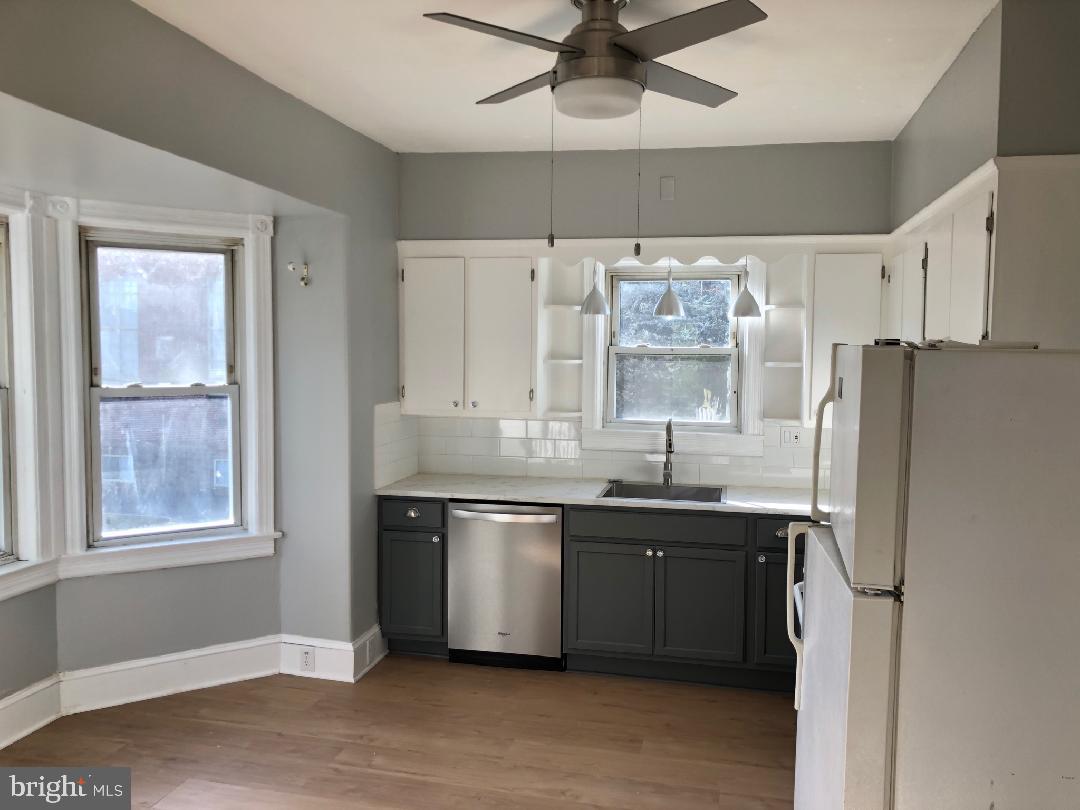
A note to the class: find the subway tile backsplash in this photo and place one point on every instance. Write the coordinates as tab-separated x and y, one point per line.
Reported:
552	448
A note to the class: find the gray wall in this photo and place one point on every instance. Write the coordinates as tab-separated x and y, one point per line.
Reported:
119	617
955	130
113	65
1040	78
818	188
27	639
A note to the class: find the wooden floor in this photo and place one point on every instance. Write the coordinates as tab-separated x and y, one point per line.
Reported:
419	734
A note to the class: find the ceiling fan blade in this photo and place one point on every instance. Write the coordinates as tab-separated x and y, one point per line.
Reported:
527	86
504	33
671	82
667	36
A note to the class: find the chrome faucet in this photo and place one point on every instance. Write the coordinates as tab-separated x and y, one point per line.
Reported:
669	451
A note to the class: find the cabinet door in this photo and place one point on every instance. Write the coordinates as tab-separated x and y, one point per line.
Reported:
432	336
913	303
938	280
499	355
847	309
771	643
412	601
609	597
970	269
700	603
892	297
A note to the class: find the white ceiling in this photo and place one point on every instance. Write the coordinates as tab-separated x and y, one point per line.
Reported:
820	70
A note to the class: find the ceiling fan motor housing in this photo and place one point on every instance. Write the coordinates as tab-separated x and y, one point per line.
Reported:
602	59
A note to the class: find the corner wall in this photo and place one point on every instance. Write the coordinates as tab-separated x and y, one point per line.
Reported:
955	130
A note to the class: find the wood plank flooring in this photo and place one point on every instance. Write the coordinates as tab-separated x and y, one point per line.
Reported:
417	734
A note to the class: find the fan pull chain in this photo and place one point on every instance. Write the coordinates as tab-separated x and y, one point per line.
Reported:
640	127
551	187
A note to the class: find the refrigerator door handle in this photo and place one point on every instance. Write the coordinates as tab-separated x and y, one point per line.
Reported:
816	512
794	530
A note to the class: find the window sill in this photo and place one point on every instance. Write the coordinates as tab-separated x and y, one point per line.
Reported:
167	554
693	443
21	577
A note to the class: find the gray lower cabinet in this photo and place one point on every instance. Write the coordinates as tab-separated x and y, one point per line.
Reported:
771	643
700	603
608	604
412	578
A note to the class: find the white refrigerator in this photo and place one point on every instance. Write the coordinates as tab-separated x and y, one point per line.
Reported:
939	663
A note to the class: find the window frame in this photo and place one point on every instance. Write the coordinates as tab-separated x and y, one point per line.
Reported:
738	280
9	545
90	241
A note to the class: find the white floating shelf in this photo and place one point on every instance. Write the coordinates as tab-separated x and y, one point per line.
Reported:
563	414
566	307
783	364
564	361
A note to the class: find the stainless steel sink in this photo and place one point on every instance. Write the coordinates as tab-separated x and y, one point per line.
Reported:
659	492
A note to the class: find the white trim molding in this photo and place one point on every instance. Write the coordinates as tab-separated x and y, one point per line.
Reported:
81	690
254	359
22	577
25	711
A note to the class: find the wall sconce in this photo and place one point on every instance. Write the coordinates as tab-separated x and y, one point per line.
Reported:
305	273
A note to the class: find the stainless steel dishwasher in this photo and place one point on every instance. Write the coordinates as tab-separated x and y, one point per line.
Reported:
504	596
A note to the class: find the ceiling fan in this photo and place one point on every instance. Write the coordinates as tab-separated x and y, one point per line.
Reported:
603	69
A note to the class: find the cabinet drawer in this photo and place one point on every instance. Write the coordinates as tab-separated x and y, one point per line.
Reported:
772	534
412	514
658	527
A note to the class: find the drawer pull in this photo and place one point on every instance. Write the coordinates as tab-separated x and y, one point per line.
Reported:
435	539
761	558
412	513
782	533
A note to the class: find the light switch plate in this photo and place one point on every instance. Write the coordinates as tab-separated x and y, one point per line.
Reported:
794	437
667	189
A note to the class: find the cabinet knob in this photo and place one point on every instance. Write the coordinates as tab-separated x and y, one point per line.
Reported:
456	403
649	553
660	553
435	539
475	404
412	513
761	558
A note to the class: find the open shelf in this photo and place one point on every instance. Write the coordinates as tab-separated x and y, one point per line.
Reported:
564	361
567	307
783	364
783	392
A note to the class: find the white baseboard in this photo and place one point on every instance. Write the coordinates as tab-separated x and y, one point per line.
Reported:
83	690
29	709
128	681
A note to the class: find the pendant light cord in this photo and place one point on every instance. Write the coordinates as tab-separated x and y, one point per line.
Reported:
640	127
551	186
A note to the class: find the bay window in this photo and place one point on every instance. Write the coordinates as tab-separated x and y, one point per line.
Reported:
8	551
686	369
164	399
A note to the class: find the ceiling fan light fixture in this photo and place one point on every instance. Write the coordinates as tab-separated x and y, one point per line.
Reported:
598	97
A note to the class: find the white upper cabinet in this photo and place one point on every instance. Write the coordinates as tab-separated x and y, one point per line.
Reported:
970	269
938	253
847	309
499	337
432	336
913	293
892	297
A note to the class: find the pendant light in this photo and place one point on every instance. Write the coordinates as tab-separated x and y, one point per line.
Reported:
746	306
595	302
670	306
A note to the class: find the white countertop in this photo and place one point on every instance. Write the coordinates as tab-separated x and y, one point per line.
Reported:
586	492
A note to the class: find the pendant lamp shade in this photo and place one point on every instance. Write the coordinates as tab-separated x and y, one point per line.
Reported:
670	306
595	302
746	306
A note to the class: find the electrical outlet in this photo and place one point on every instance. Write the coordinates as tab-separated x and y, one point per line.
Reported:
307	659
793	437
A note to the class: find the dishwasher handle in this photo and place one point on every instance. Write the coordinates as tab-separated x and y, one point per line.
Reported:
503	517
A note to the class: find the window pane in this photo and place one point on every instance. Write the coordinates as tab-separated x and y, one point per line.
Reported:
166	464
656	388
707	303
162	316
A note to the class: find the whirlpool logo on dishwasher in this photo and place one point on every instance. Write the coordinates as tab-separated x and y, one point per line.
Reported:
87	788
